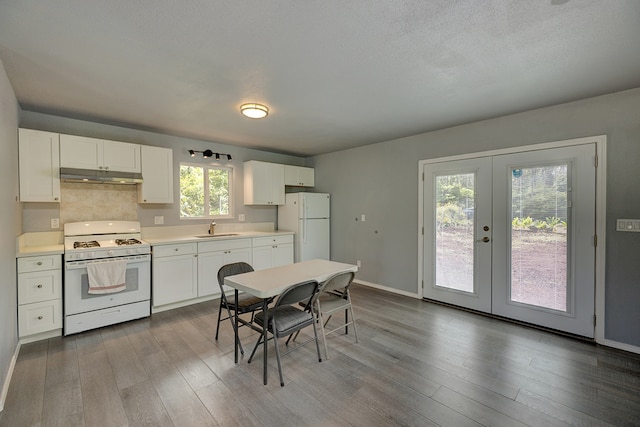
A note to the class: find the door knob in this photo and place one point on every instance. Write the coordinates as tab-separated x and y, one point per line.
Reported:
485	239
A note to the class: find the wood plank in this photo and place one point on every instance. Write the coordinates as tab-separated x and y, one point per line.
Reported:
181	402
144	407
126	366
62	361
100	395
63	405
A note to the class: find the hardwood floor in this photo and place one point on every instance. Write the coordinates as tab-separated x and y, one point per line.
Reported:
417	364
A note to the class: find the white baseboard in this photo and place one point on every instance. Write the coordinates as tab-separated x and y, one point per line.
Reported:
385	288
7	380
621	346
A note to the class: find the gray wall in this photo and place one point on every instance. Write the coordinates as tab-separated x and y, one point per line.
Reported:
10	225
381	181
37	216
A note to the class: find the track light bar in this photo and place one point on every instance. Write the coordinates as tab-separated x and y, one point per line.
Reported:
209	153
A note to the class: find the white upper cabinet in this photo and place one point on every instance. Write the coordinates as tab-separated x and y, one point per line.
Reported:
299	176
263	183
98	154
39	166
157	175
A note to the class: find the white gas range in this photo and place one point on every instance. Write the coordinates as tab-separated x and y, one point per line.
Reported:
96	254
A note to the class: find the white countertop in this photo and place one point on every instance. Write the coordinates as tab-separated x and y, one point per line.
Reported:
41	243
167	240
52	242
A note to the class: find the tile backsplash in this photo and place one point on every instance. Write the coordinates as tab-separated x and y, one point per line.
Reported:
85	202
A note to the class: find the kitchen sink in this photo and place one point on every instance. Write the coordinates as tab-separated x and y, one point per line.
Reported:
213	236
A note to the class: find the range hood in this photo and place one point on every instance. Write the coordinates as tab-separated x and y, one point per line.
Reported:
99	176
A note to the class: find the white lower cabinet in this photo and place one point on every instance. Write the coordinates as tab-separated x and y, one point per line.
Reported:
272	251
189	271
174	273
39	297
214	254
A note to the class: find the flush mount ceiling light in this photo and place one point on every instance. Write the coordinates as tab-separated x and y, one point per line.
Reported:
254	111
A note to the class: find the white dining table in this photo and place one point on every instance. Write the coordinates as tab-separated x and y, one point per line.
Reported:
270	282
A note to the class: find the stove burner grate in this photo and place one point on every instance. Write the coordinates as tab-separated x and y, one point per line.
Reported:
90	244
122	242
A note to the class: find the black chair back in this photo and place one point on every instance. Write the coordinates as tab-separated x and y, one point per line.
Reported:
296	293
231	270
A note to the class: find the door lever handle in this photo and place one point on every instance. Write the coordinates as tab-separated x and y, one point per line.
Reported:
485	239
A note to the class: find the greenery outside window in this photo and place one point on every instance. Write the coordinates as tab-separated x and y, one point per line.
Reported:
205	191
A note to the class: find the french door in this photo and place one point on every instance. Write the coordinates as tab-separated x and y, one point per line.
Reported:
513	235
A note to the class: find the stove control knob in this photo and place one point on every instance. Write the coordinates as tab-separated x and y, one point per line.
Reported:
111	253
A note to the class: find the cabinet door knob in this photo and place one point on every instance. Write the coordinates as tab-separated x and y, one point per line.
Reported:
39	263
176	249
39	317
40	286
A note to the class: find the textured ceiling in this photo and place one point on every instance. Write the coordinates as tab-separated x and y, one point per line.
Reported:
335	73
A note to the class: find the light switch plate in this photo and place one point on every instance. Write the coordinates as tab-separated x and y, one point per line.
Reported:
632	225
55	223
158	220
241	217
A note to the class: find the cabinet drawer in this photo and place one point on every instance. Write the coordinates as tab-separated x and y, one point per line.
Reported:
172	250
40	317
39	263
223	245
272	240
39	286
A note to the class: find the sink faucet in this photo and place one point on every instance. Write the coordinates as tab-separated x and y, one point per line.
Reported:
212	227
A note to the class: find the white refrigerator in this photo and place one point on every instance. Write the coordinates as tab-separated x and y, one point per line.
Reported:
307	214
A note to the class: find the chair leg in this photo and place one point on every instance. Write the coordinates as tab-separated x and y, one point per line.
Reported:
275	341
353	322
324	336
255	348
235	327
315	334
346	321
219	315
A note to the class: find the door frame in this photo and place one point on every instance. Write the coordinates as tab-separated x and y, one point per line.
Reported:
600	225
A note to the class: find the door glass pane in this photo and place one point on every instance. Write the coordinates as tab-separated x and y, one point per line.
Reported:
454	241
539	236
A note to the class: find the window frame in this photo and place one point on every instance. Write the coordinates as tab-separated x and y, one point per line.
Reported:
206	167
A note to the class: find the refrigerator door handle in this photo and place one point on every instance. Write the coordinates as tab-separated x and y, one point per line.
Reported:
305	222
304	208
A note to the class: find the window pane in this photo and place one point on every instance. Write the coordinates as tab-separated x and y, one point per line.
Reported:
191	191
539	236
218	192
455	196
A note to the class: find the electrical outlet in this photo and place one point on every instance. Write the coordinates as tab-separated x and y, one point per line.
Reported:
362	217
158	220
359	263
241	217
55	223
